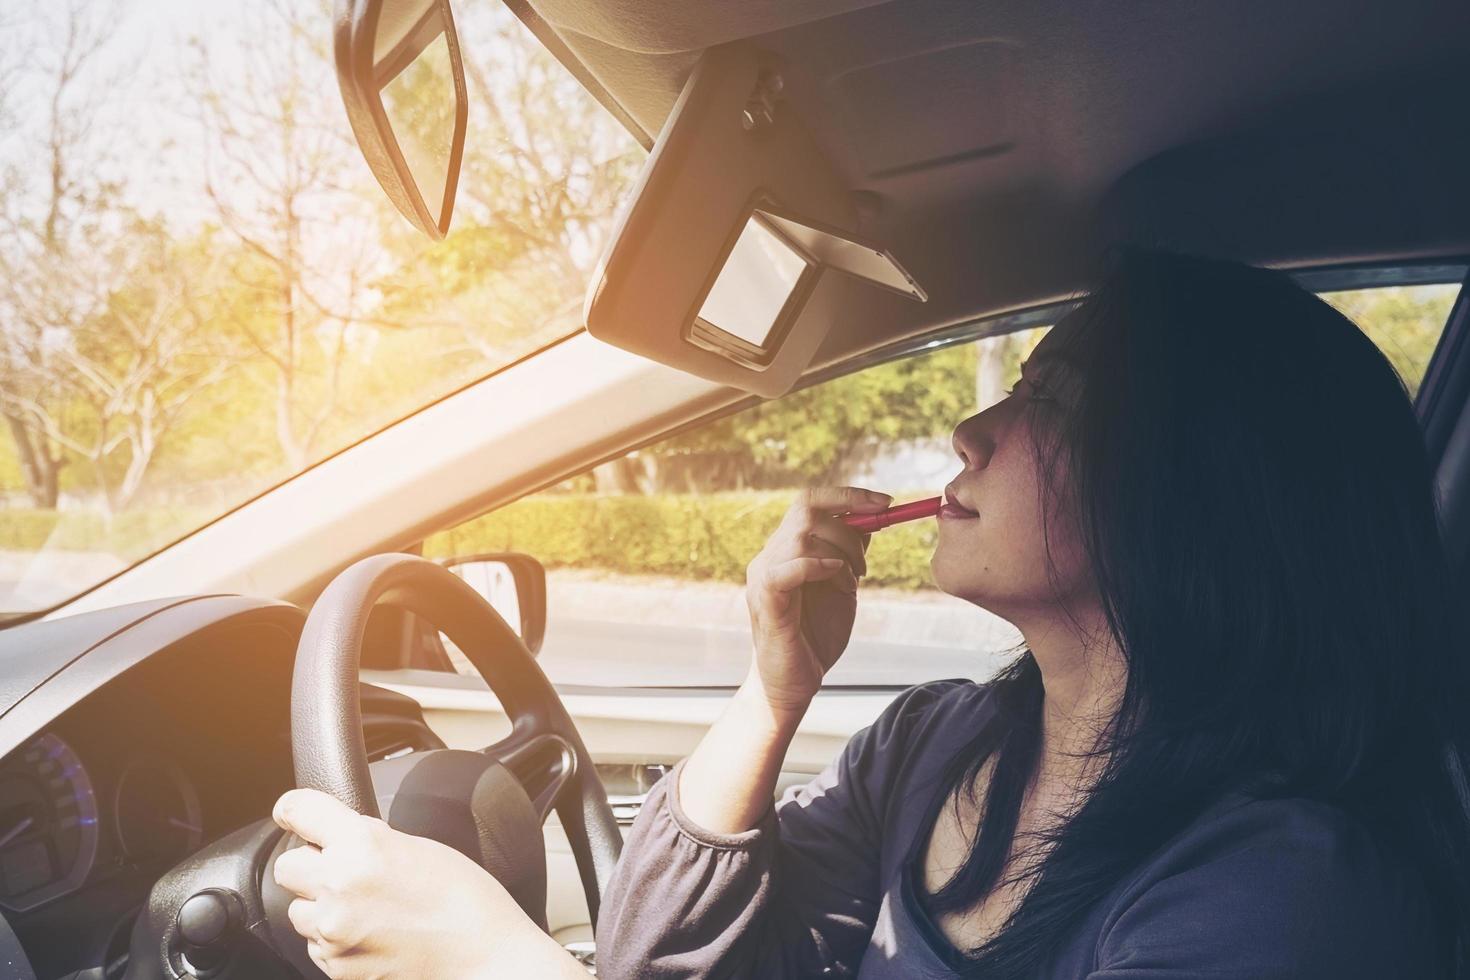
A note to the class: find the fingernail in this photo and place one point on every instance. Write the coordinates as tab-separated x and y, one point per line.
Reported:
877	497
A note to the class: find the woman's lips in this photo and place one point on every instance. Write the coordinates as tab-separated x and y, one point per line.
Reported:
952	511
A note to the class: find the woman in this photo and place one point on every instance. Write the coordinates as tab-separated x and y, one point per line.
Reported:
1227	749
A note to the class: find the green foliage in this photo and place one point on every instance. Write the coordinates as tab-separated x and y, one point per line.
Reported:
131	536
694	537
810	435
821	433
1404	321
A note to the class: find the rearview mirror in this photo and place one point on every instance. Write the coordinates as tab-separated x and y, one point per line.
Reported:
398	64
515	586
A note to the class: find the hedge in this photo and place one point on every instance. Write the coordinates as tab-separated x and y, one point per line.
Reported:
131	534
704	536
688	536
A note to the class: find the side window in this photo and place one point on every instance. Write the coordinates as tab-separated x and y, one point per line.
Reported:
646	555
1404	321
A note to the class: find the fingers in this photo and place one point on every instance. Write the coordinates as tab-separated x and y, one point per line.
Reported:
816	503
303	914
316	817
834	539
845	580
790	575
300	871
843	500
319	956
814	545
813	515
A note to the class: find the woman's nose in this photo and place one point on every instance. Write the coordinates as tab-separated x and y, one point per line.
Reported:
972	441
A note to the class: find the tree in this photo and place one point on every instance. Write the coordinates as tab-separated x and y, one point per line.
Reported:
336	273
543	172
819	433
814	434
103	341
135	367
277	153
1404	321
52	276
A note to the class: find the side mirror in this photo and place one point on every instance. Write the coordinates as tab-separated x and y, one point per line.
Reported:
402	80
514	584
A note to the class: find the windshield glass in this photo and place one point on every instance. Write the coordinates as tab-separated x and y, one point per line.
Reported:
202	289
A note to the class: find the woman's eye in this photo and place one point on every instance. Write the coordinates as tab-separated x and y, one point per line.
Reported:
1035	394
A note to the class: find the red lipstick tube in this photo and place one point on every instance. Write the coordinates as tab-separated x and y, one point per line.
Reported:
894	515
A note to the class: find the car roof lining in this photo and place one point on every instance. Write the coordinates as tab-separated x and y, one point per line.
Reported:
1084	91
1003	147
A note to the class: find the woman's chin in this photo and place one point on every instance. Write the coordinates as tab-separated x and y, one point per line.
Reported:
954	575
954	571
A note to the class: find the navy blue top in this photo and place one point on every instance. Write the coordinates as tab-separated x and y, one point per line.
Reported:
825	884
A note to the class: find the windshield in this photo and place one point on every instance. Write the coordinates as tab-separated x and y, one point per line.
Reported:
202	289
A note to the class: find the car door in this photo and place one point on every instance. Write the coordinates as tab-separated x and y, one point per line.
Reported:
647	634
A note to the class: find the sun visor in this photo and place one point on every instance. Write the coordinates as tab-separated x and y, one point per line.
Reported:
726	259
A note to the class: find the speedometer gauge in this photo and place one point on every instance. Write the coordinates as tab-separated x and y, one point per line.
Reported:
158	815
48	824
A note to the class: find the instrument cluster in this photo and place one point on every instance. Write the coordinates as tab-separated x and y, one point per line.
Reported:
62	826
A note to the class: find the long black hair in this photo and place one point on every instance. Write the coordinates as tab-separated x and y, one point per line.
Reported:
1249	480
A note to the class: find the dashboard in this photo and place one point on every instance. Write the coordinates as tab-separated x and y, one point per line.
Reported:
48	809
131	756
59	836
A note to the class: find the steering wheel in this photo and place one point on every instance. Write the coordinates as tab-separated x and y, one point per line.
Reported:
220	914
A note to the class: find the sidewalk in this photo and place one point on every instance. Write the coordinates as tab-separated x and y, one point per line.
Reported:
920	618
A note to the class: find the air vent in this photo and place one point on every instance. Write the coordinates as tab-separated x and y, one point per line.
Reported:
393	725
387	739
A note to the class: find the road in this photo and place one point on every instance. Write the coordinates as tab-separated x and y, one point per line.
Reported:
614	632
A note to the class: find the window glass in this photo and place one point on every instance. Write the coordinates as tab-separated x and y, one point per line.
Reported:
203	290
646	555
1404	321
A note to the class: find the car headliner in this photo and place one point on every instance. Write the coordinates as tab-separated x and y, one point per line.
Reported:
1001	146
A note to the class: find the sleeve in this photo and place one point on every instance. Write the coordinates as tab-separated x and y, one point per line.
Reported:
1277	890
795	896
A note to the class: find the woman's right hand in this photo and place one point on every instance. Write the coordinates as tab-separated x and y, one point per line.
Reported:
802	593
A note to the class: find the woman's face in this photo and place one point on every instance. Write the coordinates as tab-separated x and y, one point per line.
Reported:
998	533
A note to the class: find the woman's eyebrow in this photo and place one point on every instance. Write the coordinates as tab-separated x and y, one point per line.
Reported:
1053	357
1050	360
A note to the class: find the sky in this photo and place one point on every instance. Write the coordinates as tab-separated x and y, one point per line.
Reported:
149	136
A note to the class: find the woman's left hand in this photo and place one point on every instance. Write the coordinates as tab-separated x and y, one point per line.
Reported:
375	902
